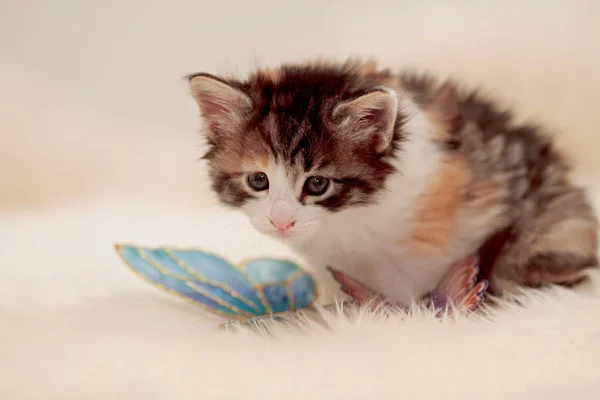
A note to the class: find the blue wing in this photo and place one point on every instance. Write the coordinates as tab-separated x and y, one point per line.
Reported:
269	271
303	291
284	285
207	268
256	288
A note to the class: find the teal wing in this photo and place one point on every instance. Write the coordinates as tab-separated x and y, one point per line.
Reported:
219	273
256	288
203	278
283	285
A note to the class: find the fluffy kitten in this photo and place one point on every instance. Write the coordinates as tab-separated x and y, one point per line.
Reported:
394	177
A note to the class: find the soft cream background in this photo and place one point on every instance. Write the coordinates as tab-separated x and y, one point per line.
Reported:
93	99
99	143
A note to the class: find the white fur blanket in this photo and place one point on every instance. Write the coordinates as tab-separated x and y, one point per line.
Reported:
77	324
98	144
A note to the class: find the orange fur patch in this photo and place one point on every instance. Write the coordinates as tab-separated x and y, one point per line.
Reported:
441	125
271	74
368	68
434	222
442	111
263	161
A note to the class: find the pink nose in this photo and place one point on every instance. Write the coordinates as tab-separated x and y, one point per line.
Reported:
283	225
282	216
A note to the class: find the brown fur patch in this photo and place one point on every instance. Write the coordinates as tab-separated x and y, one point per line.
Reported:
557	268
575	236
484	204
435	219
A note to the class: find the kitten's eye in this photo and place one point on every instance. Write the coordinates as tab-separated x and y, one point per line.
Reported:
316	185
258	181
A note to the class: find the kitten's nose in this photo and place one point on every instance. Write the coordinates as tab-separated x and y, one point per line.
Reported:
282	216
284	225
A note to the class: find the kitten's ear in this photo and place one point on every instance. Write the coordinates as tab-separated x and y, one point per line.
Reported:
372	114
222	105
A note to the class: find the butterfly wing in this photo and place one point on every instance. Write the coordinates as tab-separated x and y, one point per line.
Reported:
255	288
303	291
461	278
460	285
219	273
207	280
473	298
360	293
282	284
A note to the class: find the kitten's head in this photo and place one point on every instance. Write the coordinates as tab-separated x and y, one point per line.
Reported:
294	145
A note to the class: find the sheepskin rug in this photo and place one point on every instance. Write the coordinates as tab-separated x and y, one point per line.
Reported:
99	144
77	324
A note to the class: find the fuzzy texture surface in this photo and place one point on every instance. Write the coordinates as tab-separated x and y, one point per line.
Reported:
110	335
99	144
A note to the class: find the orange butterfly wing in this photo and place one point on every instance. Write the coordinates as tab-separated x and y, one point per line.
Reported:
461	278
461	286
473	298
360	293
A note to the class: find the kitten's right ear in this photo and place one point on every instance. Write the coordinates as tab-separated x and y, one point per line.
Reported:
222	105
371	115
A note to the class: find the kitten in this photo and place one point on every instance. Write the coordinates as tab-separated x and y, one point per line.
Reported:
392	178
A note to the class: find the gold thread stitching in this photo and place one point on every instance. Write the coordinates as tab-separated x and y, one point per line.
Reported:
143	253
288	291
221	302
171	292
257	288
231	292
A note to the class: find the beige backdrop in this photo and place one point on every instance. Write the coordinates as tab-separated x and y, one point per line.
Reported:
93	104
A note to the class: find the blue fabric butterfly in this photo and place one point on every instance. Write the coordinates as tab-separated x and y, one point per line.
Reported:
268	288
252	289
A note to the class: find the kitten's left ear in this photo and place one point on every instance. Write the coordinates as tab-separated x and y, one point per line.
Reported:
221	103
372	114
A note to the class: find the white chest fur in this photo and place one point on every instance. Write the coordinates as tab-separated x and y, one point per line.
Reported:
379	261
